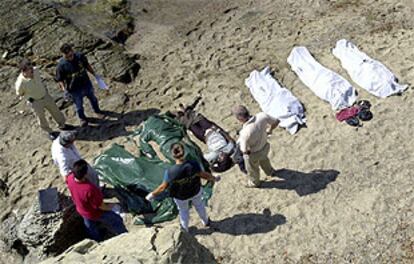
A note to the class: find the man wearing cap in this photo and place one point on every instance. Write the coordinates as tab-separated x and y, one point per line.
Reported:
29	86
253	142
65	154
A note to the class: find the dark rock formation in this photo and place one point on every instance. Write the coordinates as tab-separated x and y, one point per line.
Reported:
49	234
37	30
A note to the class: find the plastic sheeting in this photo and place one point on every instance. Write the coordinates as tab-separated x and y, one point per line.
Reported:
133	177
164	131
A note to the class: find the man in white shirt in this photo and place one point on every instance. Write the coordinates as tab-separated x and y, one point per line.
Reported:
253	142
65	154
30	87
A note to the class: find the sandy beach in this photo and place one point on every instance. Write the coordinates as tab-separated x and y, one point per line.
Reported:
342	194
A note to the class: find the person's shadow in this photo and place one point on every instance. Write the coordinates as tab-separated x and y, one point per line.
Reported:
113	126
303	183
244	224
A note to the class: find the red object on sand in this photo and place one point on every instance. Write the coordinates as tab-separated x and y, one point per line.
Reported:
347	113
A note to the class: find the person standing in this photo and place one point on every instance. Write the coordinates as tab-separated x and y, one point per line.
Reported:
89	203
30	87
183	181
253	142
73	79
65	155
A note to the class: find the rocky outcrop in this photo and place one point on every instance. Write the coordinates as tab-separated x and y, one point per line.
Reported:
11	248
146	245
37	30
49	234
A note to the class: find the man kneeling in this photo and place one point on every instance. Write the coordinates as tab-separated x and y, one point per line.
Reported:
89	203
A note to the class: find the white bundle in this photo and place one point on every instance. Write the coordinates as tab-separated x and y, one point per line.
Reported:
370	74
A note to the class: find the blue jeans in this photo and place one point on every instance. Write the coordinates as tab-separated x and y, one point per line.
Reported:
78	100
109	220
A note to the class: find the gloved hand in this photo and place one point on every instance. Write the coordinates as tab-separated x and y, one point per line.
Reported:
150	197
116	209
67	97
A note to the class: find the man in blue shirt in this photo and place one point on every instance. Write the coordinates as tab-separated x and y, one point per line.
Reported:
184	183
73	79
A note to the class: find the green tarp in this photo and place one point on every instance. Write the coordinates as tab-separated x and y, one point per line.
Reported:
134	177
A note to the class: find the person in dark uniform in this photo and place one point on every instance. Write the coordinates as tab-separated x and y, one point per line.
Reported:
183	180
73	79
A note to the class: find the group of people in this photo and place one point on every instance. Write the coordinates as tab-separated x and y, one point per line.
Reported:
85	188
182	180
81	179
71	76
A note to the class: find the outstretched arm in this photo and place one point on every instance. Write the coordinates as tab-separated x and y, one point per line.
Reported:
106	206
207	176
162	187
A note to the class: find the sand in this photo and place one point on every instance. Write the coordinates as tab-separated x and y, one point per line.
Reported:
342	194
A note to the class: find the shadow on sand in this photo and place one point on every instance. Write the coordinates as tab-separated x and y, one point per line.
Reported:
244	224
303	183
113	126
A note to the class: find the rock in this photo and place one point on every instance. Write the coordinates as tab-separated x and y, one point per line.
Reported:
144	245
40	35
50	234
11	248
4	189
8	258
8	233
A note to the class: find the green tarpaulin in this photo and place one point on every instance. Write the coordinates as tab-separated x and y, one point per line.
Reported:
134	177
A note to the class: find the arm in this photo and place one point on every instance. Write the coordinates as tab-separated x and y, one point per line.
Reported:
207	176
61	85
273	124
60	77
62	162
162	187
106	206
19	88
151	196
86	64
243	144
90	69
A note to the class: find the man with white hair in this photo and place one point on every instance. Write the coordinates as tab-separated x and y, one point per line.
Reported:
65	154
253	142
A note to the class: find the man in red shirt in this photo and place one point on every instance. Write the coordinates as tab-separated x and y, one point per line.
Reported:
89	203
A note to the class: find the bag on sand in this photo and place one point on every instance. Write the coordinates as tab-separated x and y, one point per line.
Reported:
49	200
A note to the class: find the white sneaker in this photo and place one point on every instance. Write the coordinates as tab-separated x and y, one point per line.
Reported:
251	184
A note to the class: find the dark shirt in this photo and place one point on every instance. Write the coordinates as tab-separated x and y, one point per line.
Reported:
183	181
73	73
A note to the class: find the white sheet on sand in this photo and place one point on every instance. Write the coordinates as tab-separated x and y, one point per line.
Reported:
370	74
276	101
325	83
